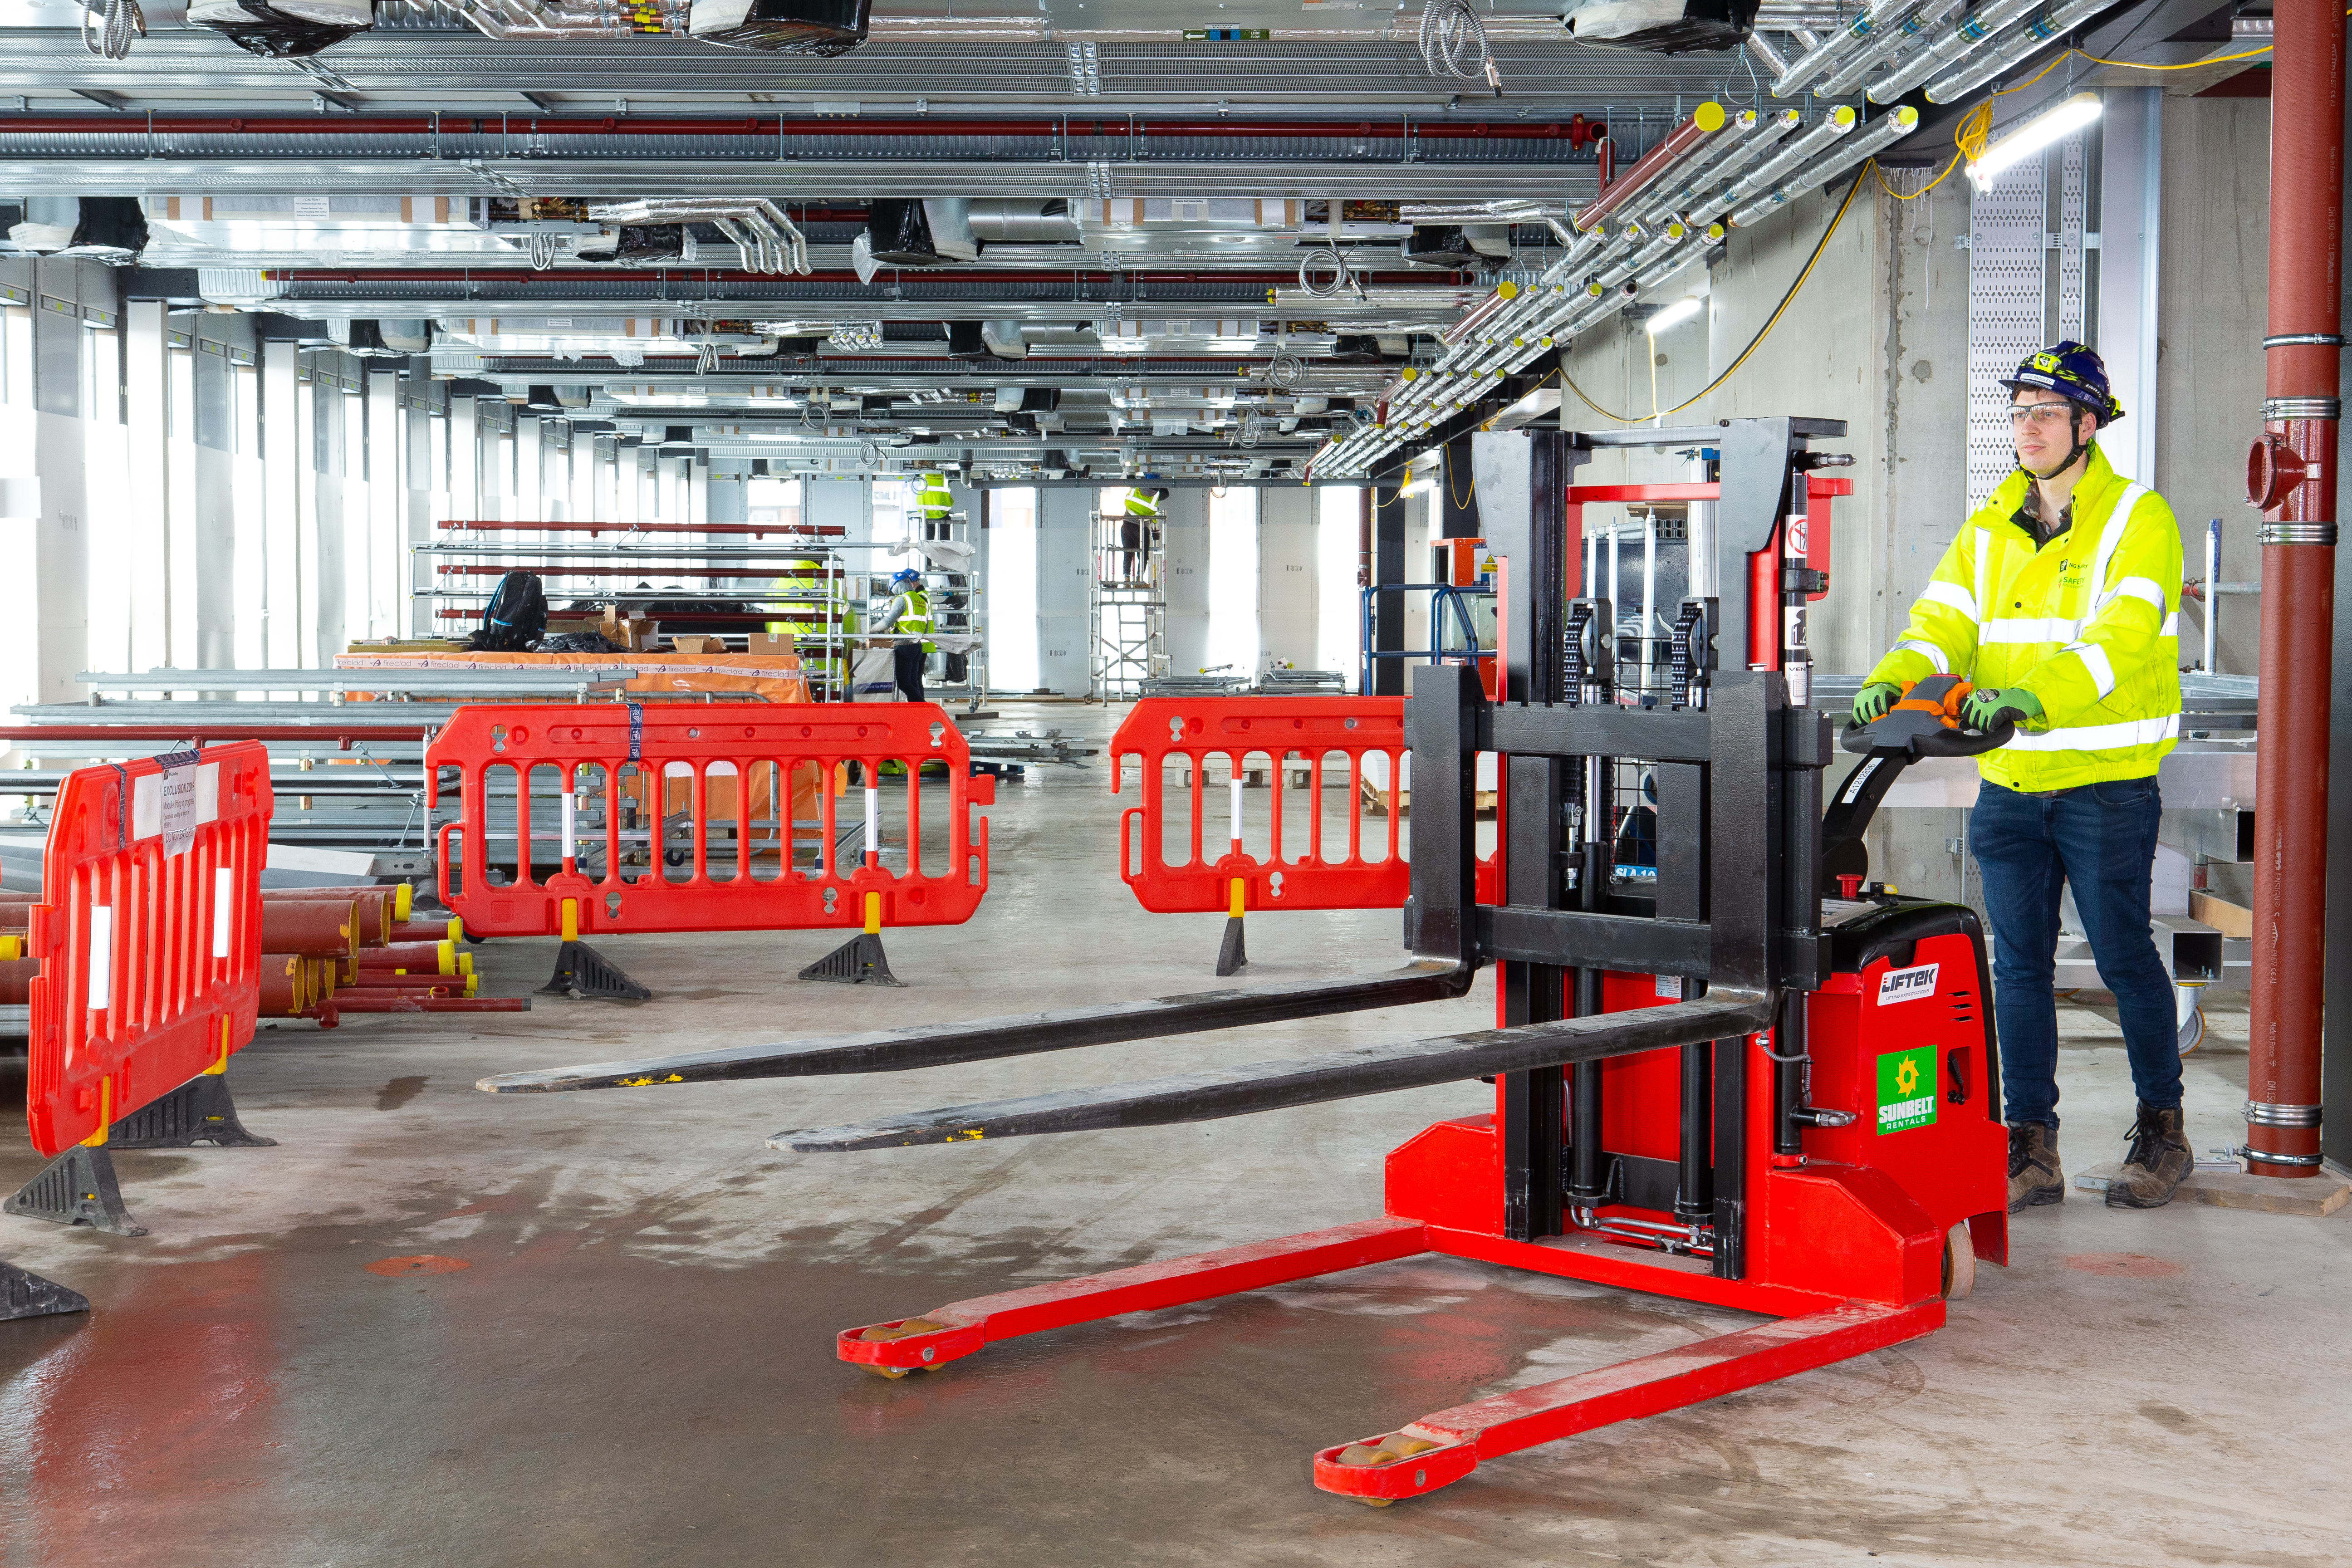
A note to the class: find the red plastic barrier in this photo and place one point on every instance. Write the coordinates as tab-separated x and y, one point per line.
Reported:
725	857
149	937
1216	740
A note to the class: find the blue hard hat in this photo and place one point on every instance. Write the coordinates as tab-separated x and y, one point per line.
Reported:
905	578
2072	370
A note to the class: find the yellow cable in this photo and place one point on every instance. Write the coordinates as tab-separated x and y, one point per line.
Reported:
2189	65
1786	299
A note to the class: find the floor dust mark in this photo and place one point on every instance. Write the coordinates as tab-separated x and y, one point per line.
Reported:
2122	1265
398	1092
916	1223
2171	1417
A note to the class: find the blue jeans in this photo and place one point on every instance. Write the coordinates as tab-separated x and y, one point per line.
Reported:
2101	838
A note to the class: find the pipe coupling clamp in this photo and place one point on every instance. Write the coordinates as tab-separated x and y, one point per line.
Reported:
2265	1157
2303	341
2287	408
2259	1114
2298	533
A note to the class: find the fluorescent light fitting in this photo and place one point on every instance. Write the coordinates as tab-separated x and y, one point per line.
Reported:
1418	487
1675	314
2030	136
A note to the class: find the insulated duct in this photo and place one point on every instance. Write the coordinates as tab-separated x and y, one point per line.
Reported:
1946	48
1887	130
2031	35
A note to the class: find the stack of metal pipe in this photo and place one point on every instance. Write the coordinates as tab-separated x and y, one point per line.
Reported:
327	951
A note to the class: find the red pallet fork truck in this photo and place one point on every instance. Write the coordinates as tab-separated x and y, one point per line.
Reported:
1714	1085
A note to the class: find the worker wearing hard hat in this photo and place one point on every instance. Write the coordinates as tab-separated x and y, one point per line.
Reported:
908	614
2059	601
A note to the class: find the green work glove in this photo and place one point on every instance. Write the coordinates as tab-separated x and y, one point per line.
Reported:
1985	707
1873	701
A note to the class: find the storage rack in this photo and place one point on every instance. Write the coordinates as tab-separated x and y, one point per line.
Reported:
458	577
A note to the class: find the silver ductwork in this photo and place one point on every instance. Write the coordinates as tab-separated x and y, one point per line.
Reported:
768	241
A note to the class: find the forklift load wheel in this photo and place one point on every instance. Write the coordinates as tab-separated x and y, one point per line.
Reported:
898	1331
1959	1263
2192	1030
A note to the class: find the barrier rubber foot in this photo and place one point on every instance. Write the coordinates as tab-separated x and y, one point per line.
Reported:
77	1187
199	1111
584	972
858	962
23	1295
1233	957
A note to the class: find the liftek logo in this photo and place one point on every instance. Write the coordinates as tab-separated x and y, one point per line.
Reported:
1906	1089
1906	984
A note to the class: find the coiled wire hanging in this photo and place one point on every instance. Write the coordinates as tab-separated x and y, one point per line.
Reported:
109	25
1453	43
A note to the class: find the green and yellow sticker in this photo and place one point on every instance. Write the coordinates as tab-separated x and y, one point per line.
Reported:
1906	1089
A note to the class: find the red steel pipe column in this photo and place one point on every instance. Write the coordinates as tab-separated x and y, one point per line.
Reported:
2291	477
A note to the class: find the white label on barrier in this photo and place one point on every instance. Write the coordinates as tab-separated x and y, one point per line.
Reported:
1236	793
872	820
101	957
570	803
146	807
224	908
208	792
1906	984
182	780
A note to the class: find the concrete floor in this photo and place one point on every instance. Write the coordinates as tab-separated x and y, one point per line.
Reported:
630	1362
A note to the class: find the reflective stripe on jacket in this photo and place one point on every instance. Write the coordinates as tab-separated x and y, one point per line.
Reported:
2087	623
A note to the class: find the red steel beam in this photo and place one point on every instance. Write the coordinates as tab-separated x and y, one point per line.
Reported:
2291	477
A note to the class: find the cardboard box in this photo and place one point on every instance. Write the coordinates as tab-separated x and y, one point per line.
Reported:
770	643
697	645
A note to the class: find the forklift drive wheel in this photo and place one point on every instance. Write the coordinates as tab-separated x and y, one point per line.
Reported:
1959	1263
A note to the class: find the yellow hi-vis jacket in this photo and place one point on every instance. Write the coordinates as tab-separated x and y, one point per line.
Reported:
2088	624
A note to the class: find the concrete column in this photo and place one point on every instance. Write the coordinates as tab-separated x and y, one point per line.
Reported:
1064	603
59	558
2131	207
1287	602
217	538
333	413
148	470
385	466
1184	582
278	439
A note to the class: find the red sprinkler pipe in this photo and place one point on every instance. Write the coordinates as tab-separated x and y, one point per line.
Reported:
2291	477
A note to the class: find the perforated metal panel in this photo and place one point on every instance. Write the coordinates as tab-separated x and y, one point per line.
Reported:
2008	260
2072	273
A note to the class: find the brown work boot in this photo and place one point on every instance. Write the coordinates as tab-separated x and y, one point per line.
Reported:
2034	1177
2160	1157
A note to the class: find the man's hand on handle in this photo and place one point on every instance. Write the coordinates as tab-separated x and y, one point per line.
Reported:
1985	707
1874	700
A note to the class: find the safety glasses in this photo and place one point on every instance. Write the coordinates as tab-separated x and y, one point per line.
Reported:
2041	416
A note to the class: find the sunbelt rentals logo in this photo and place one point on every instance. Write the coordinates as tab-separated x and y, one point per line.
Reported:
1906	1089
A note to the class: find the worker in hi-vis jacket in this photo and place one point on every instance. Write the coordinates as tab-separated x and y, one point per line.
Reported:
2059	601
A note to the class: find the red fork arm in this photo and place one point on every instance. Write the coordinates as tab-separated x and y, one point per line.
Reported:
1446	1447
964	1326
